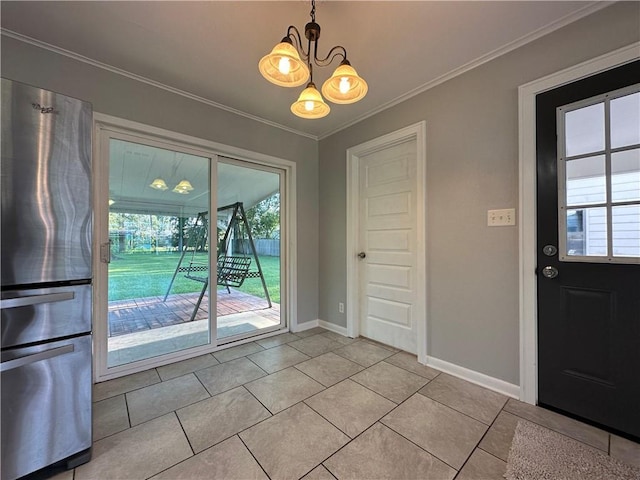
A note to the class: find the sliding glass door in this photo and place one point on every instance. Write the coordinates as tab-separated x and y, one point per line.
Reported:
249	227
159	252
190	249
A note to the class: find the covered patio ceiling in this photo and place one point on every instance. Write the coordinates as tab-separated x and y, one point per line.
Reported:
133	167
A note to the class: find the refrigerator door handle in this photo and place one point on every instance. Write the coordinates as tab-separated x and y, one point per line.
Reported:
36	357
36	299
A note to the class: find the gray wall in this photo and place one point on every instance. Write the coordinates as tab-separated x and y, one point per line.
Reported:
472	166
122	97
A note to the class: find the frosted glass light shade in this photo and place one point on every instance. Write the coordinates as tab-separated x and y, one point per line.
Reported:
183	188
283	66
345	85
159	184
310	104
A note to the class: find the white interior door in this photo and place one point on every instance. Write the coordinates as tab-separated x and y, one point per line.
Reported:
388	239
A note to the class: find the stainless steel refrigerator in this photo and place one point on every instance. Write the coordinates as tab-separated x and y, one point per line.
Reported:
45	280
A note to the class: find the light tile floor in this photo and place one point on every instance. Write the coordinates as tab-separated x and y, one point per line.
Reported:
312	405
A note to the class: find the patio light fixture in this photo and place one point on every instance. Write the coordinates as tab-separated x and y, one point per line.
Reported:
159	184
290	65
183	188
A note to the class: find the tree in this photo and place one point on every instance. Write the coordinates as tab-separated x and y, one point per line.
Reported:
264	218
132	231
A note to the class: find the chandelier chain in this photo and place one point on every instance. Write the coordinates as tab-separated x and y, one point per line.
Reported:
313	10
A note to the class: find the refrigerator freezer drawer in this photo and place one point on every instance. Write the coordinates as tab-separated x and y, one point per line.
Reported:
45	313
46	404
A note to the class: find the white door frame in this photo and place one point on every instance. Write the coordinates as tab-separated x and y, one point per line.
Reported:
527	204
417	132
103	125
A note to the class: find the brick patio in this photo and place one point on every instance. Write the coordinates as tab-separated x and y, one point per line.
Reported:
141	314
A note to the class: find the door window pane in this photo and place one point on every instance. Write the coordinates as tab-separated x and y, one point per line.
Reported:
625	175
626	231
625	120
584	130
586	181
599	213
586	232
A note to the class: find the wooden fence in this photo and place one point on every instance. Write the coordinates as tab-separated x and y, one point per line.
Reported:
264	246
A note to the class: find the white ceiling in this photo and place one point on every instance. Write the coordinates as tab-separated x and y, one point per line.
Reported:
133	167
211	49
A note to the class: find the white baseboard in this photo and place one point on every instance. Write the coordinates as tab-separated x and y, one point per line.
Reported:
301	327
332	327
492	383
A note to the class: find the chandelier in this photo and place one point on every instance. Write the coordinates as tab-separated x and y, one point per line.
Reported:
290	65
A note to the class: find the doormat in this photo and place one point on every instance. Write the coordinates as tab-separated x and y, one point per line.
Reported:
538	453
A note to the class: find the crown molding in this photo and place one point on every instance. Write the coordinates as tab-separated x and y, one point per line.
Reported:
133	76
590	8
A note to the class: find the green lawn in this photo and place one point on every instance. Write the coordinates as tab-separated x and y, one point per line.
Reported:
137	275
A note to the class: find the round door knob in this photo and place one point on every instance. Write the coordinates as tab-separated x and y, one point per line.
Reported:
362	255
550	272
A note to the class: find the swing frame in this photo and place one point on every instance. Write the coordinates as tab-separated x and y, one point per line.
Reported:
232	270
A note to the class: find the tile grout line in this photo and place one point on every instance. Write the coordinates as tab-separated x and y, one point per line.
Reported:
250	452
345	445
456	410
379	394
266	374
193	452
408	439
257	400
480	441
489	453
182	406
383	396
126	391
240	385
492	424
126	405
203	386
327	420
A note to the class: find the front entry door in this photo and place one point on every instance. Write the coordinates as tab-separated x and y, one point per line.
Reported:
388	244
588	248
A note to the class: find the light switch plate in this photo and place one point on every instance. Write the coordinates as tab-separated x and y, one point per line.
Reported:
501	218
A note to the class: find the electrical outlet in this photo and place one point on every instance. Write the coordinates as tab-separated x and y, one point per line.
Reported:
341	307
501	218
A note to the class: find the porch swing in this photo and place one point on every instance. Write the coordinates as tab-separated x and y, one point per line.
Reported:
232	270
